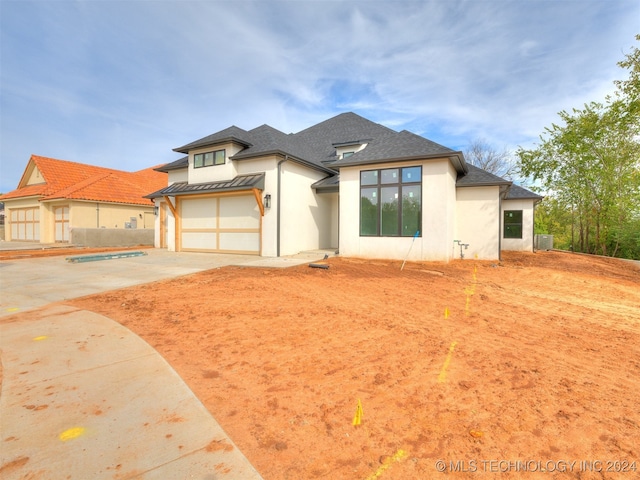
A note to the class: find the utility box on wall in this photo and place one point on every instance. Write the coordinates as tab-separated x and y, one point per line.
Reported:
544	242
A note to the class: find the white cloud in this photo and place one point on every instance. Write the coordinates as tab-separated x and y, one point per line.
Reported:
121	83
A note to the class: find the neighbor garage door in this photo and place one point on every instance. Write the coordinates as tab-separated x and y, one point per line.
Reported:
223	224
25	224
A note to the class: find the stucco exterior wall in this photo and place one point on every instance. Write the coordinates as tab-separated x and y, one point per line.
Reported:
335	217
438	215
35	177
181	175
108	215
438	210
305	216
214	172
268	165
478	222
526	242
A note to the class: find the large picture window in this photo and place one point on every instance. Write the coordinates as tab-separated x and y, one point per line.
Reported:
391	202
513	224
208	159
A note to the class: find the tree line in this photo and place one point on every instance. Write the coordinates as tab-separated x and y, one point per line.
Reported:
588	167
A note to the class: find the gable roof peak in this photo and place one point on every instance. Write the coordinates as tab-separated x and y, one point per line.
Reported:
229	134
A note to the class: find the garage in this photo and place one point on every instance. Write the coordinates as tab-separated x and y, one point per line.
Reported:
218	217
225	223
25	224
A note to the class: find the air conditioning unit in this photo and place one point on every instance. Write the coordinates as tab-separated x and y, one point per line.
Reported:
544	242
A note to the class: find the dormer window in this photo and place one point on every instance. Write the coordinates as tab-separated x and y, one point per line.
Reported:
346	149
208	159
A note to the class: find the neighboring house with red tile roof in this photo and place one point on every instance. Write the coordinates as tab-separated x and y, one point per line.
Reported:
55	196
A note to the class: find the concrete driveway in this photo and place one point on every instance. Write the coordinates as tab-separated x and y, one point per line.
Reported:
34	282
84	397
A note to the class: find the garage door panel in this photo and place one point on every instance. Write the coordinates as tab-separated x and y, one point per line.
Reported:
221	224
25	224
199	213
240	242
199	241
239	212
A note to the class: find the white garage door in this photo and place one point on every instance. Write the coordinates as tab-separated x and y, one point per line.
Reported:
25	224
224	224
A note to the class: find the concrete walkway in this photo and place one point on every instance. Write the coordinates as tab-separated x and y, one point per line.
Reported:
84	397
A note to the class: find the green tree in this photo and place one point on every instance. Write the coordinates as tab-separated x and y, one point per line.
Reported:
590	163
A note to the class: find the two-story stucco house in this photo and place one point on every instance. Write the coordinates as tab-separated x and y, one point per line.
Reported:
346	183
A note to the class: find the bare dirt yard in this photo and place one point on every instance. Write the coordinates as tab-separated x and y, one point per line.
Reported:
490	367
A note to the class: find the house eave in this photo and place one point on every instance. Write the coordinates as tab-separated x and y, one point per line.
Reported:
503	185
282	154
26	197
219	141
455	158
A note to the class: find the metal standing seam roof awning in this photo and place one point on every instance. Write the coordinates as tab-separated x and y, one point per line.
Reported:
241	182
252	183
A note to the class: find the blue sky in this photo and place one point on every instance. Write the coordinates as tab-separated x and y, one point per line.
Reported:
121	83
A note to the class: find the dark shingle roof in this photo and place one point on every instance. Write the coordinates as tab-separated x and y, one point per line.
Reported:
232	133
241	182
477	177
517	192
327	184
315	145
176	165
397	146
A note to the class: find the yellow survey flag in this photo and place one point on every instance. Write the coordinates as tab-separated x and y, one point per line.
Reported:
358	417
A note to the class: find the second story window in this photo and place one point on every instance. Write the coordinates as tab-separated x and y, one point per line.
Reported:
208	159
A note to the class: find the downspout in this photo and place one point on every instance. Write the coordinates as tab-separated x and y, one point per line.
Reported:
500	220
97	215
286	157
338	246
533	229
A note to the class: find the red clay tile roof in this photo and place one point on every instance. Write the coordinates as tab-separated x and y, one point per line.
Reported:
64	179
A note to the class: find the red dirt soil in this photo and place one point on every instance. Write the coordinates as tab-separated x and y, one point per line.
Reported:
536	360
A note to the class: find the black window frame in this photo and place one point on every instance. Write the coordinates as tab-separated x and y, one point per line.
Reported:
513	227
213	154
404	185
